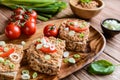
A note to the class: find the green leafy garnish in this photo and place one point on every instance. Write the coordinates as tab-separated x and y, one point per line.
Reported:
34	75
76	56
101	67
1	60
85	1
81	35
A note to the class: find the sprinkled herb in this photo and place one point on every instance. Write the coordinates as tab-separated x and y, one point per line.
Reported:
71	60
66	54
6	49
47	57
34	75
1	59
76	56
81	35
11	65
25	71
85	1
65	60
6	62
23	43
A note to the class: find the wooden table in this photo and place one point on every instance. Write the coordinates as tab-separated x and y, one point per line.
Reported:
111	52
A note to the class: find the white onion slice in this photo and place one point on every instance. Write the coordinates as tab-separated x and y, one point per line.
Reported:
66	54
25	76
16	59
2	43
39	46
52	47
66	29
71	33
43	41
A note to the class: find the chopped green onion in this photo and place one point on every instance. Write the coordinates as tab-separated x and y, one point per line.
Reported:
2	43
34	75
11	65
6	49
81	35
1	59
65	60
25	71
71	60
39	46
47	57
23	43
25	77
6	62
38	40
66	54
76	56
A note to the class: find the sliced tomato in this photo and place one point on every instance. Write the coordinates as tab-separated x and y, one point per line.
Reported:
1	49
78	29
71	26
47	50
6	54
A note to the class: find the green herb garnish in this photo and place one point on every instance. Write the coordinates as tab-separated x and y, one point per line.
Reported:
11	65
1	60
71	60
6	62
34	75
65	60
85	1
25	71
101	67
76	56
81	35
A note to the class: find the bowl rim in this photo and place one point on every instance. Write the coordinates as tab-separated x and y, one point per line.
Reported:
101	7
110	19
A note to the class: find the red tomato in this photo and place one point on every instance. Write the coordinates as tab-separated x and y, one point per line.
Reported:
19	17
50	30
47	50
76	29
32	13
6	54
31	19
1	49
12	31
19	11
29	28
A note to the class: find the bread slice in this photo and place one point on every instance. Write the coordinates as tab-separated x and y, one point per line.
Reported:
75	41
7	72
48	63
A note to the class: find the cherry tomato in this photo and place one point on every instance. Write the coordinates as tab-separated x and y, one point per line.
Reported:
31	19
50	30
19	11
47	50
72	26
6	54
32	13
12	31
29	28
18	17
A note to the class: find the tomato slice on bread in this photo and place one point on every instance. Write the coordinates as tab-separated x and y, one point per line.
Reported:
73	25
6	54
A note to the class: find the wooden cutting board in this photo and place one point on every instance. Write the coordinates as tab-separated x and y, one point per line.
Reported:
96	43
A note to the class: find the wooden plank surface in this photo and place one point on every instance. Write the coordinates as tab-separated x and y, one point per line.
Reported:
112	50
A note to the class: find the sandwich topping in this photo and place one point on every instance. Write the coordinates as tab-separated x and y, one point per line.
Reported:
77	26
45	46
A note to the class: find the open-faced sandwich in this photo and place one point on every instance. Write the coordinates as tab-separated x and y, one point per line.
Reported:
45	55
75	33
10	58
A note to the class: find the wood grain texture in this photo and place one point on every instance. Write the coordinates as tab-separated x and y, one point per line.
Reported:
97	44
